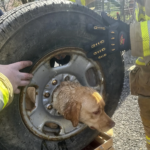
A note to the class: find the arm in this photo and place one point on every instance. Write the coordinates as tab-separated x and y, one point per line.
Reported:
10	79
6	92
119	36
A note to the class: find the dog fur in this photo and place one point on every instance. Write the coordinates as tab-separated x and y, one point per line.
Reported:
81	104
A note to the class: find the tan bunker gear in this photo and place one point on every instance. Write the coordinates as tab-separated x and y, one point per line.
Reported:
140	75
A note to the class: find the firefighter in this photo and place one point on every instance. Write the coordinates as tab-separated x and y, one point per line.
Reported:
10	79
118	36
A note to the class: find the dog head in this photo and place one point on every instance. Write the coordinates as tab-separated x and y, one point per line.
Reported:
78	104
89	109
93	114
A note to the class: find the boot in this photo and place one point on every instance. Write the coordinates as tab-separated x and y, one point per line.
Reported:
144	104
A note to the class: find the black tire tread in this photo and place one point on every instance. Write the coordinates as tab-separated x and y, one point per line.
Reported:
15	19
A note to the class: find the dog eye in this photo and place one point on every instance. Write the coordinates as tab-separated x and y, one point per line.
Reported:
96	112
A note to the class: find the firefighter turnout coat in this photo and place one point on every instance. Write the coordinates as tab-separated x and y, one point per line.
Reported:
140	33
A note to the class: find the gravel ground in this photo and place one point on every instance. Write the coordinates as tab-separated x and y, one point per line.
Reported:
128	132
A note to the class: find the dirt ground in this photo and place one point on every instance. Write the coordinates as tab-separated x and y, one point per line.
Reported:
128	132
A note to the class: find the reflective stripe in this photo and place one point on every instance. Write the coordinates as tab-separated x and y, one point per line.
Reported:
139	61
140	13
137	12
141	17
73	1
148	26
83	2
5	93
142	10
145	36
148	139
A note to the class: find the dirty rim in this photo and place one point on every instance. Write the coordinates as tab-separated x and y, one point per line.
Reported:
46	78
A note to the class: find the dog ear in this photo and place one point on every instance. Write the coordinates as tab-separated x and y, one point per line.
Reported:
72	112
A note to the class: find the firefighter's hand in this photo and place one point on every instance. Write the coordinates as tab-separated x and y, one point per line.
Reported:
113	37
16	77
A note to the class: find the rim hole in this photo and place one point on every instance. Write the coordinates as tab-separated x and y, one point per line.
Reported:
91	77
51	128
59	60
30	98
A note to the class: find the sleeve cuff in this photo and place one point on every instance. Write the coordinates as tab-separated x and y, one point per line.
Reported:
8	85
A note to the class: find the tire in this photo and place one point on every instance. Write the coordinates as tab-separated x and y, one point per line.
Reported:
31	31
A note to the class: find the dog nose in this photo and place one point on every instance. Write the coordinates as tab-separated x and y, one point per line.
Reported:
111	124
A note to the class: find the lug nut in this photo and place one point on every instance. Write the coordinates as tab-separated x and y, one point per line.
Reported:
58	113
49	106
54	82
67	78
47	94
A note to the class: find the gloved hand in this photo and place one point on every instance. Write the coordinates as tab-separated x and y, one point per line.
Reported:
16	77
113	37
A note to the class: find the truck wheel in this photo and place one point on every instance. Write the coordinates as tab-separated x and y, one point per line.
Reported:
41	31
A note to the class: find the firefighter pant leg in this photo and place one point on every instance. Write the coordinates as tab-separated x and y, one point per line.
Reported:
144	104
140	85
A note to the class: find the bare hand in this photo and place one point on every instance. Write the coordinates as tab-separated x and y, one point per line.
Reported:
16	77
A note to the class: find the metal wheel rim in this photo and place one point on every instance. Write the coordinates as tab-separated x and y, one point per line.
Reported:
77	67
